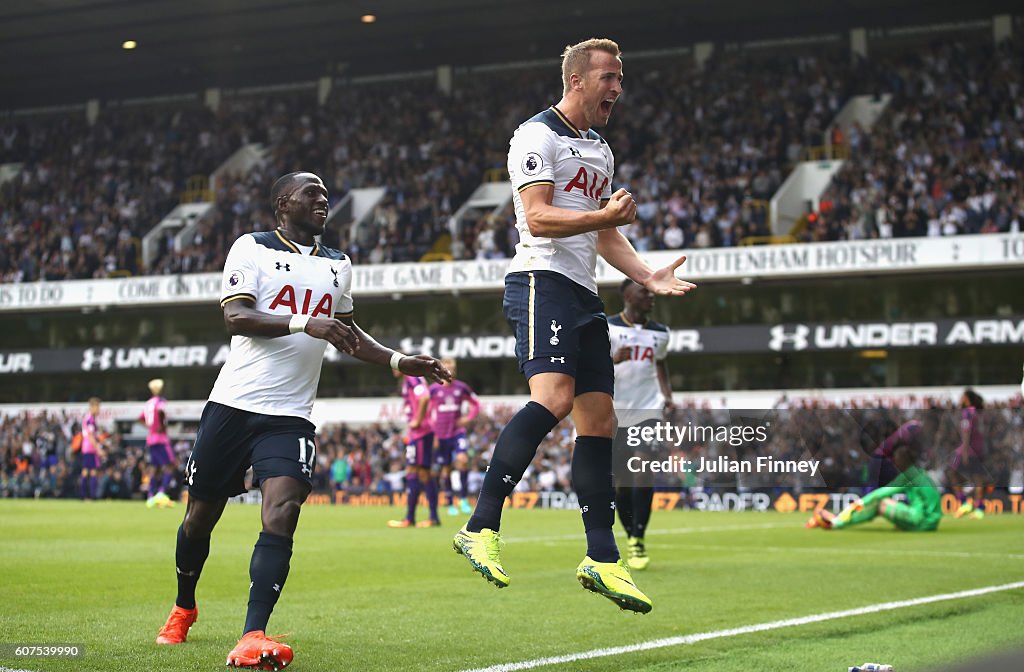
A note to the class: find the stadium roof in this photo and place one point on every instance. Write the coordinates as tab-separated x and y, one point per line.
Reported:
68	51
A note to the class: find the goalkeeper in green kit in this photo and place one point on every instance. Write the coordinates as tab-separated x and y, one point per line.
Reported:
920	513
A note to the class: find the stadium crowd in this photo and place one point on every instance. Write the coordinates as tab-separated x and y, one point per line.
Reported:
38	456
701	149
946	158
86	194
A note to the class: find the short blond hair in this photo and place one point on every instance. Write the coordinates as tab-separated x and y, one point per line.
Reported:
576	57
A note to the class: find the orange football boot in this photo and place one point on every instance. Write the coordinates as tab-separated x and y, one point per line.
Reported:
404	522
256	651
175	630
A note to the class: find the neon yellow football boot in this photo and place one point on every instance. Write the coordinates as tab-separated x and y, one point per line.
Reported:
613	580
637	553
482	549
965	508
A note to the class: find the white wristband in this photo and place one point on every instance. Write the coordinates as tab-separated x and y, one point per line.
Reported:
298	323
396	357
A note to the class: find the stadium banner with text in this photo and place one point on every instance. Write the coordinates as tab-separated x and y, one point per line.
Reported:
791	337
815	447
895	255
978	331
699	499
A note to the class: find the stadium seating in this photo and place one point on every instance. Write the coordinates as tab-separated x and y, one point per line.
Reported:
948	156
701	149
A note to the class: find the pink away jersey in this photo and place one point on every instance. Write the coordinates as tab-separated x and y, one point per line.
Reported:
88	428
150	416
412	389
446	407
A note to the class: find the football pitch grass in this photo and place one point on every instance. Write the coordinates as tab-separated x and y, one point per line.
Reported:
361	596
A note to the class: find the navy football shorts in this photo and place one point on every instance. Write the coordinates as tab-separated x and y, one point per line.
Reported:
560	326
230	440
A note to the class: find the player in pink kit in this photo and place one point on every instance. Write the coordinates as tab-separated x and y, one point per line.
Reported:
92	452
419	448
446	404
966	466
161	457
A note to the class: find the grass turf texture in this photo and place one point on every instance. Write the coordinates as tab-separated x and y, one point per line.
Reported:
361	596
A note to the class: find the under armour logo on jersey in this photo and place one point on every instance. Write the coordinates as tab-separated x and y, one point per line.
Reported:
797	339
277	588
555	328
558	359
509	480
333	270
278	265
575	152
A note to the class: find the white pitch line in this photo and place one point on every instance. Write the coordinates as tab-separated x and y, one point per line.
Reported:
11	669
669	531
848	551
745	630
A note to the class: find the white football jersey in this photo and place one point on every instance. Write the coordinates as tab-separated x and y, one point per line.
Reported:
636	379
548	149
279	376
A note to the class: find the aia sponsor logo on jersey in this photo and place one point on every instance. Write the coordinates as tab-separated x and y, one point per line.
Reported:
587	183
640	353
287	298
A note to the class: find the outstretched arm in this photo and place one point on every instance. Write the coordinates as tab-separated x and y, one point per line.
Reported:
616	249
242	318
369	350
